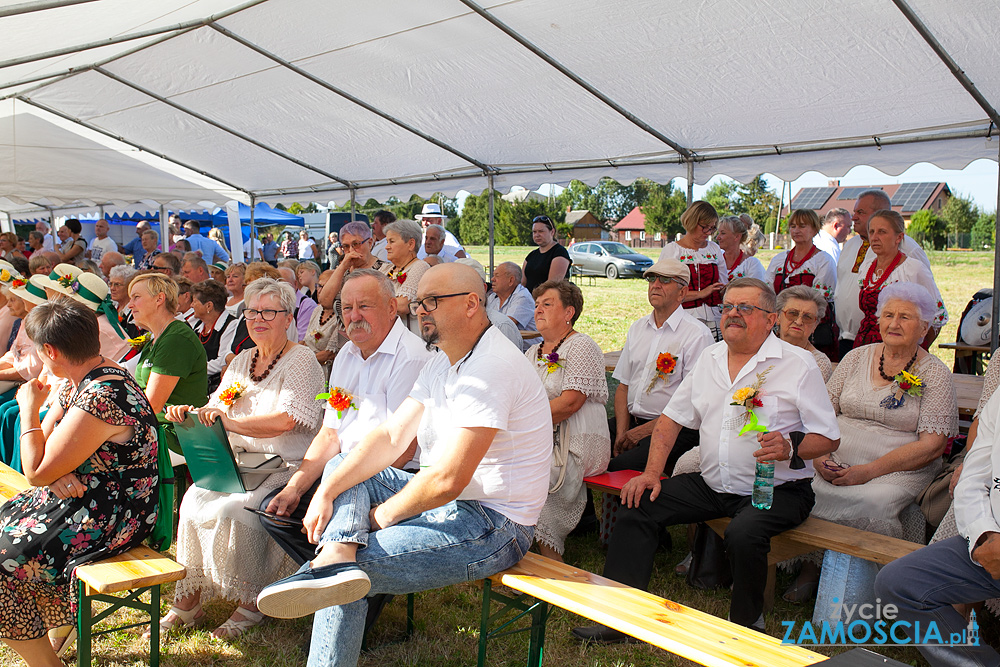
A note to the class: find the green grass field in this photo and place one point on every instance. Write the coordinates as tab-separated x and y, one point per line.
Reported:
448	619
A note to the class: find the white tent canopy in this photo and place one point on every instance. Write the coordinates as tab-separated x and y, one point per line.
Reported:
287	100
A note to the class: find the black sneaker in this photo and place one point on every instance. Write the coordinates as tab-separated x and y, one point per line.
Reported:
311	589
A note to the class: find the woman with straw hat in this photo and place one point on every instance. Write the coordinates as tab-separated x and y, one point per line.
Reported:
93	292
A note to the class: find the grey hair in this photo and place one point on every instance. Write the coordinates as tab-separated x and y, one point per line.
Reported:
123	271
384	284
437	227
765	300
913	293
270	287
882	200
408	230
834	213
514	269
357	228
805	293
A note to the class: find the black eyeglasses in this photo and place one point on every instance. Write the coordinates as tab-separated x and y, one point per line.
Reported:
267	314
664	280
743	308
430	303
161	268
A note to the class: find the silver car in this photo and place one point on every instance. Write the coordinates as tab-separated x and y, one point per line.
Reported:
607	258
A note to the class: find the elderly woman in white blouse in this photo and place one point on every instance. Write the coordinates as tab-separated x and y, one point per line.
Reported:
224	548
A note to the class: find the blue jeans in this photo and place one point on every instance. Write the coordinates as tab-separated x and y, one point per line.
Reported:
459	541
924	585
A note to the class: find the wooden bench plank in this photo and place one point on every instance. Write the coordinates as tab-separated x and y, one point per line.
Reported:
684	631
138	567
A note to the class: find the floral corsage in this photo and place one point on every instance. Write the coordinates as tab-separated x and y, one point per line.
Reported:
339	399
907	384
550	360
750	398
139	341
17	282
4	275
66	280
665	365
398	276
231	394
316	335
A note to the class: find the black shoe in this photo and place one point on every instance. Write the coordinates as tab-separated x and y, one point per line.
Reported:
376	604
311	589
601	634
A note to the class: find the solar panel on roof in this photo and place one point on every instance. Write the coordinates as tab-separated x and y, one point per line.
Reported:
812	198
852	193
913	196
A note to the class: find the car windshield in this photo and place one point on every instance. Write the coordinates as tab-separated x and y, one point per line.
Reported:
617	249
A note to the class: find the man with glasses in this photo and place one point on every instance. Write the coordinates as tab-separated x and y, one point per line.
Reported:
460	518
750	377
643	391
167	264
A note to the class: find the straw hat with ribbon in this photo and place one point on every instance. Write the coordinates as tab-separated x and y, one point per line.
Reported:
93	292
32	291
61	278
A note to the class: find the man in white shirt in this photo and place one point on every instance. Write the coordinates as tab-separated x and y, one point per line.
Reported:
434	236
43	228
853	255
378	368
497	319
431	215
836	227
253	250
485	433
380	220
101	244
513	299
750	377
964	569
643	391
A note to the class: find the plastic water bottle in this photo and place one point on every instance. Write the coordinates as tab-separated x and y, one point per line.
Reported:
763	485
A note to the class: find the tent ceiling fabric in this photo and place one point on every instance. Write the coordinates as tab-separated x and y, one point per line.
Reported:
745	87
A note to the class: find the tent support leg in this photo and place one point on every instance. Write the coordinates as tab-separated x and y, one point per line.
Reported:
164	230
995	326
253	232
690	188
489	181
354	204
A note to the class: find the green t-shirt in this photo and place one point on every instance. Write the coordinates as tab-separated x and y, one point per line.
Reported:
178	352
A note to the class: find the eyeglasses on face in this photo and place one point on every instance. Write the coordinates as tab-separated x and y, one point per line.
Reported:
793	315
160	267
357	245
430	303
663	280
708	229
743	308
267	314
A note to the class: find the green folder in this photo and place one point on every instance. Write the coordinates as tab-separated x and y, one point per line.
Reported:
210	459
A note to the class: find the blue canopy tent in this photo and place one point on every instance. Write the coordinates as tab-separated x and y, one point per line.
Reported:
263	216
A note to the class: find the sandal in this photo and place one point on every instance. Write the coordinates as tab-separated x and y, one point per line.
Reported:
182	619
681	569
232	629
65	632
800	592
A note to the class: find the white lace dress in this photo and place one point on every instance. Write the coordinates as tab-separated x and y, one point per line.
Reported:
869	431
224	548
583	444
415	270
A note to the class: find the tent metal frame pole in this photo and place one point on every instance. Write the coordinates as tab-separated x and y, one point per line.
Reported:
216	124
177	27
690	184
489	184
38	6
162	156
164	229
994	324
577	79
347	96
354	205
253	235
946	58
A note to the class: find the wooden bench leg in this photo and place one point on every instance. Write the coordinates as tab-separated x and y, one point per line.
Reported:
525	605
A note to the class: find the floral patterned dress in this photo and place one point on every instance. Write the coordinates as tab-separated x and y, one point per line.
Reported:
43	539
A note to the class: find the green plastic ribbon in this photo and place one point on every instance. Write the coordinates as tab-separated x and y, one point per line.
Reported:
103	306
752	424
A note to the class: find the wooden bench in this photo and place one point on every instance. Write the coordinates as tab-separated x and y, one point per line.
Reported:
811	535
138	570
681	630
577	276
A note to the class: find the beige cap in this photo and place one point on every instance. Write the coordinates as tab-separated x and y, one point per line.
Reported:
669	268
476	266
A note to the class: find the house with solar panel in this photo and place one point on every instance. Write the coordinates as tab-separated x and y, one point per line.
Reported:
906	198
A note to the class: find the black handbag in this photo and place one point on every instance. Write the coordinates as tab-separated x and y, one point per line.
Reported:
709	567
